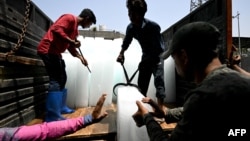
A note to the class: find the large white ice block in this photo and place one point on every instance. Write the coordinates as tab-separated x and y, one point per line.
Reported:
126	107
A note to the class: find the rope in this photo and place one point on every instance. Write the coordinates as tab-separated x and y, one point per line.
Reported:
128	80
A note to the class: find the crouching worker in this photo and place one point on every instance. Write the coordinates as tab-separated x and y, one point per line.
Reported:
56	129
216	108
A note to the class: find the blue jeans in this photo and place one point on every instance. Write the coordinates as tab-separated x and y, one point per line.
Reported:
145	72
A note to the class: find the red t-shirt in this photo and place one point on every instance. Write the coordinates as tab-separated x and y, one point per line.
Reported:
54	41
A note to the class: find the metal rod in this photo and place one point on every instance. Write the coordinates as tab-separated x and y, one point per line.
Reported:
82	56
238	19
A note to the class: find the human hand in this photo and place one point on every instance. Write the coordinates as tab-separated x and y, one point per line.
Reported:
73	42
138	116
121	58
158	111
77	44
97	113
233	58
83	60
236	60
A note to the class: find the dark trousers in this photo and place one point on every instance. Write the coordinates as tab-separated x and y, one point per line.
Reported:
145	72
55	67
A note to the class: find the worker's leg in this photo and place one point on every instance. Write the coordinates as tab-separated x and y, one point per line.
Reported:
144	79
158	72
63	79
53	106
56	79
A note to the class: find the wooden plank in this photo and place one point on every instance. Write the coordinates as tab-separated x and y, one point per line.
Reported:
19	118
22	81
4	96
20	103
12	17
16	105
21	59
21	92
17	70
13	35
229	27
168	127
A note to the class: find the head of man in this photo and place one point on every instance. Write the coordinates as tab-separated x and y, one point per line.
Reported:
87	18
136	11
193	47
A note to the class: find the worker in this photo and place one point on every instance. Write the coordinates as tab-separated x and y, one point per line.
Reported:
148	34
55	129
216	108
60	36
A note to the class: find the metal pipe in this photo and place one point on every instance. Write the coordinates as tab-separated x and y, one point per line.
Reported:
82	56
238	18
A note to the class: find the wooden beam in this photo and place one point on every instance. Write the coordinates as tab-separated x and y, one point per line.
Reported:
21	59
229	26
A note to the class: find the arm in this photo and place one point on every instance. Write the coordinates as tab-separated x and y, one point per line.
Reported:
239	69
128	38
75	53
186	128
61	28
173	115
154	130
63	24
6	134
57	129
49	130
158	42
126	42
234	61
170	115
45	130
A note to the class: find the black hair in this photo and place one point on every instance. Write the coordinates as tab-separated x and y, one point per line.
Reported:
138	6
201	57
88	13
200	40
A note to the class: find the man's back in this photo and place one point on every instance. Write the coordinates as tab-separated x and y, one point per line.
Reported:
216	108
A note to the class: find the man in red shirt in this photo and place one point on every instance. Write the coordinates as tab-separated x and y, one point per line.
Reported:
60	36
